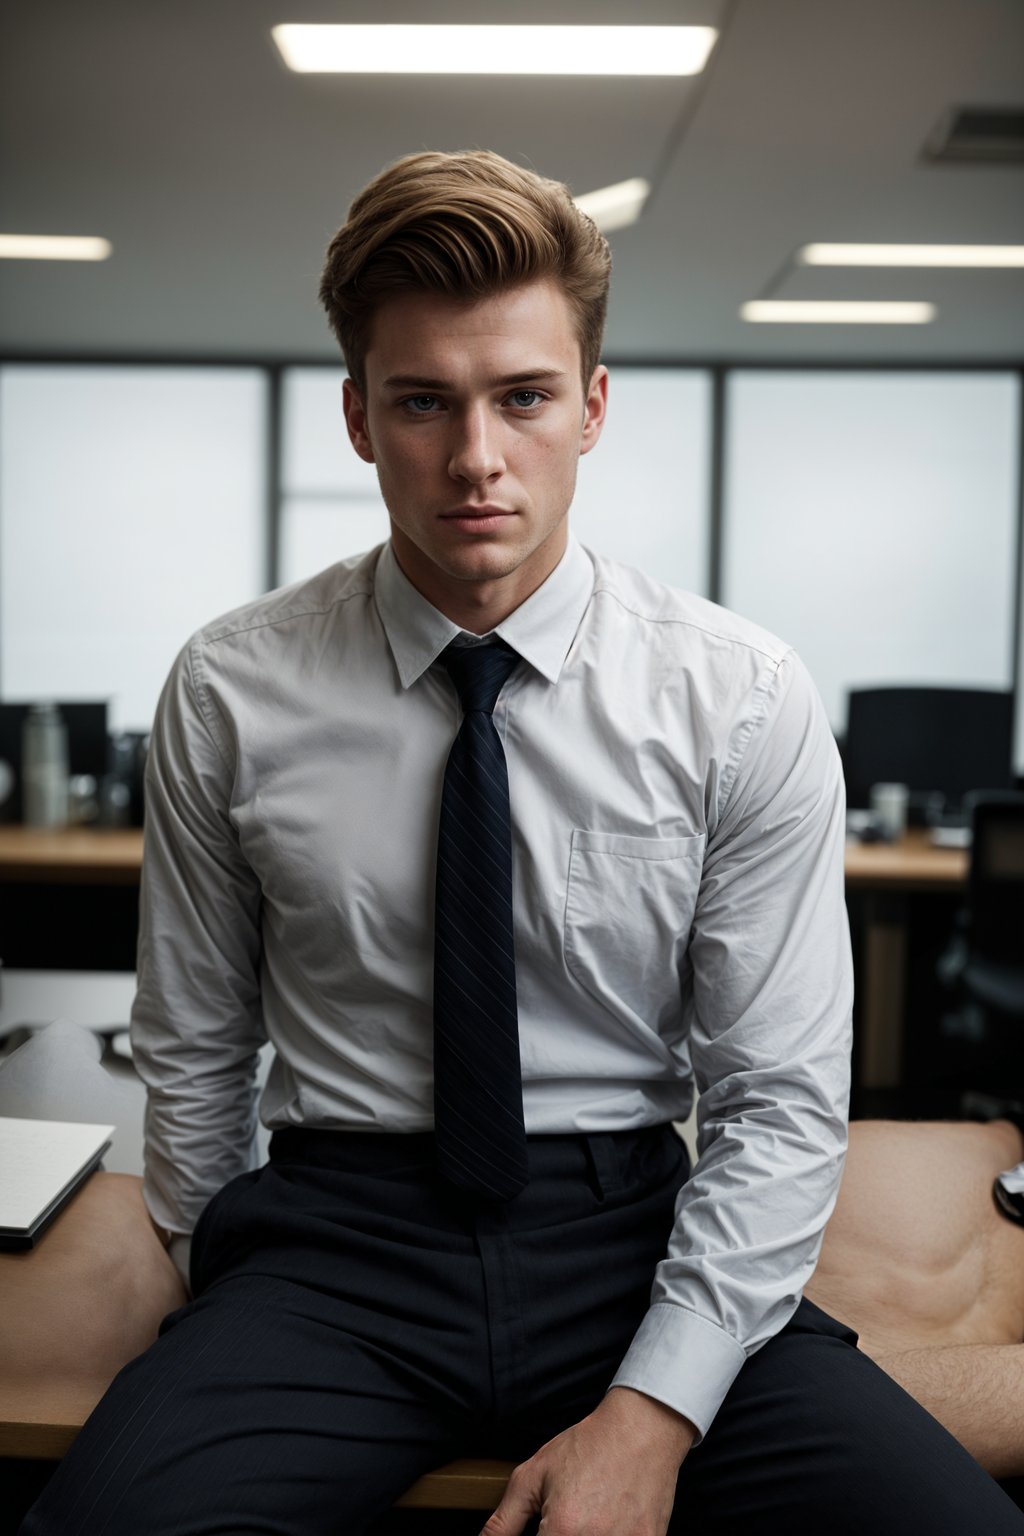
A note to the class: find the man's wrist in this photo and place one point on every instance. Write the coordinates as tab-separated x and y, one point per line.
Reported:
673	1429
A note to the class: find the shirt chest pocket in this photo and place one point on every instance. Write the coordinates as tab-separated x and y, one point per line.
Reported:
629	909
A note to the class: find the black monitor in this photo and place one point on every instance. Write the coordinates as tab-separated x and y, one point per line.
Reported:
945	741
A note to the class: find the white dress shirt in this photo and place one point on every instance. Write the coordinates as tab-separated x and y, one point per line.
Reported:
680	924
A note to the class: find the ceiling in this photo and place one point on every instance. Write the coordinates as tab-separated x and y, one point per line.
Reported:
175	130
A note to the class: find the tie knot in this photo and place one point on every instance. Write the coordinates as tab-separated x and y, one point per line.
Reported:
479	672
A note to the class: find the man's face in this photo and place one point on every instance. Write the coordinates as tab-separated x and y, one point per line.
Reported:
475	416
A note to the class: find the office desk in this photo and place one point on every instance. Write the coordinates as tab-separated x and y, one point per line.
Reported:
115	855
78	856
912	864
69	900
885	873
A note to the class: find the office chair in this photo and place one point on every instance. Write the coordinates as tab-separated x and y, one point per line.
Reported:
940	742
984	963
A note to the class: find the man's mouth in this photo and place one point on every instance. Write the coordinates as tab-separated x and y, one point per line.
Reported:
479	518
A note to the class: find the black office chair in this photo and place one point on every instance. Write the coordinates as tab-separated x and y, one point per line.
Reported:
984	964
986	958
940	742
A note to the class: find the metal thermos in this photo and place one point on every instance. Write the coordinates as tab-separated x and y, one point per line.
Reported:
44	767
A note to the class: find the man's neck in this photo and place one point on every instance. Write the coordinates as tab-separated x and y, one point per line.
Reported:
479	607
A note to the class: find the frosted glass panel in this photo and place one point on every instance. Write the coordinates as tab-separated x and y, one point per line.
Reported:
315	534
131	512
642	493
870	521
332	506
316	454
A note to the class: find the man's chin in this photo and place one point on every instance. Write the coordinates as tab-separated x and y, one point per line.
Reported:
491	562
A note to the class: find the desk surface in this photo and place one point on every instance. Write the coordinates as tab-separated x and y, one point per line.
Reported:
114	857
77	856
914	863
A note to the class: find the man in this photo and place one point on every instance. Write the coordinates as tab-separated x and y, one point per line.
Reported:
498	903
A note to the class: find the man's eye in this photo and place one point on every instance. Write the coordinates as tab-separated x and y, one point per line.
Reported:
421	405
524	398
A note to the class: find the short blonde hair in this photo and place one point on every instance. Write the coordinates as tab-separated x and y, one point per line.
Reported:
465	225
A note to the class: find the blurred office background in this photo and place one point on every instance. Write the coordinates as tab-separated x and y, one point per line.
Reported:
171	438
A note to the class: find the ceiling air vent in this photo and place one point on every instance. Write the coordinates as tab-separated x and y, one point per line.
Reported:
981	135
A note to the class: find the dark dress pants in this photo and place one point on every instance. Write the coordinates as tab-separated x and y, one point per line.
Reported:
355	1324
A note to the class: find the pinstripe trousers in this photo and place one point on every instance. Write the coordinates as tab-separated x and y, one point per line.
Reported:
355	1323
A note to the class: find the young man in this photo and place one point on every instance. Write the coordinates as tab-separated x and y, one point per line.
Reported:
505	848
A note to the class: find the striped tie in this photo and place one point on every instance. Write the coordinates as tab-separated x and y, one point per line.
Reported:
478	1085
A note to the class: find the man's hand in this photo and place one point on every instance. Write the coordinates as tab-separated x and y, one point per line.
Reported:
612	1474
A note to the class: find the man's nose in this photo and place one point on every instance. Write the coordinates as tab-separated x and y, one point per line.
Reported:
476	454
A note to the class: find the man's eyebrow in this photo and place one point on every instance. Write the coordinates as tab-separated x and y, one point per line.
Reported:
418	381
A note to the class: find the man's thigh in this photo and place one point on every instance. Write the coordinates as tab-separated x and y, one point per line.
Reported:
813	1437
253	1411
331	1355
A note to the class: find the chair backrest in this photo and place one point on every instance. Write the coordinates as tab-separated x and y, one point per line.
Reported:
996	879
948	741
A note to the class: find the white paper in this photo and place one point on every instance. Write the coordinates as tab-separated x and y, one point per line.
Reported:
39	1159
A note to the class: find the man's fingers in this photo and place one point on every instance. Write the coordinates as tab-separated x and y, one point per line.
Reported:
521	1502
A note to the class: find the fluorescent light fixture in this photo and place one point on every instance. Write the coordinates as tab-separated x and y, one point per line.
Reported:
497	50
55	247
827	312
864	255
616	206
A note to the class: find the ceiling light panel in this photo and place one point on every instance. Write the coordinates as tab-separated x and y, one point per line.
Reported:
865	255
55	247
617	206
823	312
494	50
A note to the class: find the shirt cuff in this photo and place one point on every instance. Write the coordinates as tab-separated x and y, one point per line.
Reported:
179	1250
684	1361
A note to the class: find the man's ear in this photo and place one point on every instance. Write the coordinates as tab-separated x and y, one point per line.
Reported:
355	420
594	408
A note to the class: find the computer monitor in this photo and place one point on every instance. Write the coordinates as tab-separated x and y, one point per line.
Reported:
940	741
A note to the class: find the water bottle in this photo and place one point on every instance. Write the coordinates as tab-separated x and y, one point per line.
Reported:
44	767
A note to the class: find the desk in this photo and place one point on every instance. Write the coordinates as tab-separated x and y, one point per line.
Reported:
79	856
115	856
912	864
886	873
69	900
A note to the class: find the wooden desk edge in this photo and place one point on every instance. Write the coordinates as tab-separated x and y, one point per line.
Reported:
31	1441
79	856
914	863
84	856
467	1484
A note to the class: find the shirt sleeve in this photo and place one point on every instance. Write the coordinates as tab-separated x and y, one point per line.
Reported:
771	1040
196	1026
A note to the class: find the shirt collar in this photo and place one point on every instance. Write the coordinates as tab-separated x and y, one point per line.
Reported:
541	629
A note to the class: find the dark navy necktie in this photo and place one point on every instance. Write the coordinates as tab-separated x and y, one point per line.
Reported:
478	1084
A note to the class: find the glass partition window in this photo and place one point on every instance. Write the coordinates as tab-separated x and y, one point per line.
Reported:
131	512
870	520
331	506
643	491
641	497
